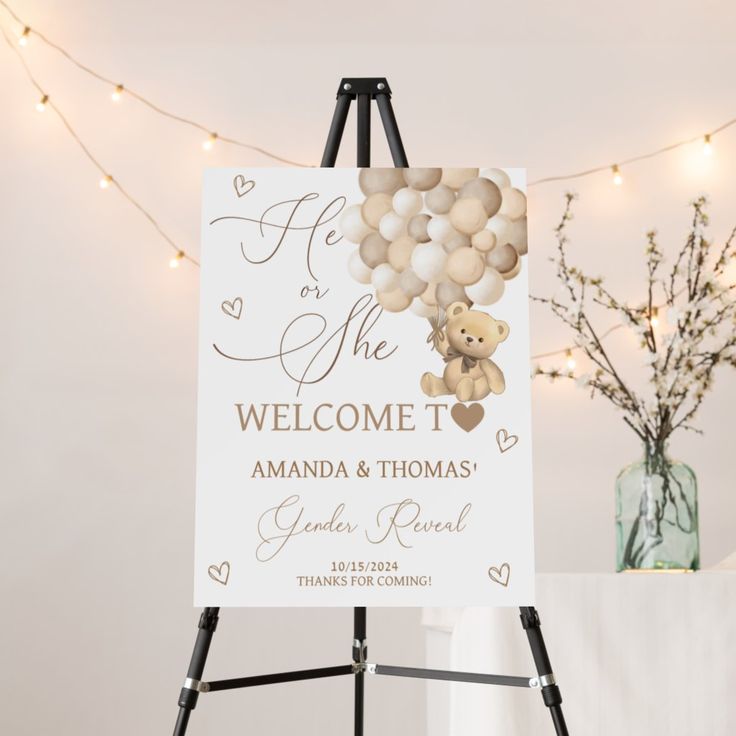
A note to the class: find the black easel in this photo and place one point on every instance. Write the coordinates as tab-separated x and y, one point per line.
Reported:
365	90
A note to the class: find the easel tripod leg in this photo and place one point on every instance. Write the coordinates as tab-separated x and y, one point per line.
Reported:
188	696
550	691
360	651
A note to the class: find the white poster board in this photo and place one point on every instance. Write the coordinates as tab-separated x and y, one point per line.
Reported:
364	393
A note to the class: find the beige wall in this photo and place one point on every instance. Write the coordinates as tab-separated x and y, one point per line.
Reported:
97	365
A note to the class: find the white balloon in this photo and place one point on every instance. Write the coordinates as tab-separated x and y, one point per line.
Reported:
439	229
384	278
498	176
358	270
500	226
488	290
407	202
352	225
392	226
428	261
513	203
421	309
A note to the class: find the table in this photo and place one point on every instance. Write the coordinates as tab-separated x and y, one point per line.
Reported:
634	654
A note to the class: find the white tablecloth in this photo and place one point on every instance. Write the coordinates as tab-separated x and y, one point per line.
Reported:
634	655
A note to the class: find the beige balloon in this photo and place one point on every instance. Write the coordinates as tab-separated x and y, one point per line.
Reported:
483	241
387	180
513	203
518	236
485	191
393	301
465	266
373	250
503	258
513	273
422	179
411	284
455	241
375	207
447	293
421	309
429	295
455	178
468	216
399	252
417	228
439	200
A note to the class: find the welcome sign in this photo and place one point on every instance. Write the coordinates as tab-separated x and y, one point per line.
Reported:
364	393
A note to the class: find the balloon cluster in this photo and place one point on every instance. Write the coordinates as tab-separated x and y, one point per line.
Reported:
431	237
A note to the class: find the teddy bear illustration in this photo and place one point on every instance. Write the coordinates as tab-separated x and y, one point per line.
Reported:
466	341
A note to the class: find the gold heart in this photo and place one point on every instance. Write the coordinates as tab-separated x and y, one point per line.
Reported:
504	440
467	417
233	308
242	186
220	573
501	574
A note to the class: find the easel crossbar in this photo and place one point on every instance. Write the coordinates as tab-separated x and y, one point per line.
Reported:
482	679
295	676
373	669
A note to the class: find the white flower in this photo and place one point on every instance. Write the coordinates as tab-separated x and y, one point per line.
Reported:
583	380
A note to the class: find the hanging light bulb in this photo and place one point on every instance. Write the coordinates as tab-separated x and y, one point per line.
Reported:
174	262
41	104
117	93
618	180
654	318
105	181
23	40
707	147
207	144
570	360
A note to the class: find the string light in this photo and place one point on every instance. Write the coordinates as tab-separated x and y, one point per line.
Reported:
570	360
707	147
654	317
174	262
208	144
89	155
105	181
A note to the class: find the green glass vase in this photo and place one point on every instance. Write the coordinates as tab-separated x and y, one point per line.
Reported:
657	514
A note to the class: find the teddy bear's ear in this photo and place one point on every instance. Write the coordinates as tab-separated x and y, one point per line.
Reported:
456	308
503	330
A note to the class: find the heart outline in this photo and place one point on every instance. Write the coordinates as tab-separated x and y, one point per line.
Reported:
229	307
500	575
467	417
242	185
505	441
216	572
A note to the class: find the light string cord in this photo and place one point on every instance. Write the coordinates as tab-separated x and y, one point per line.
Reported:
180	254
706	137
136	95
